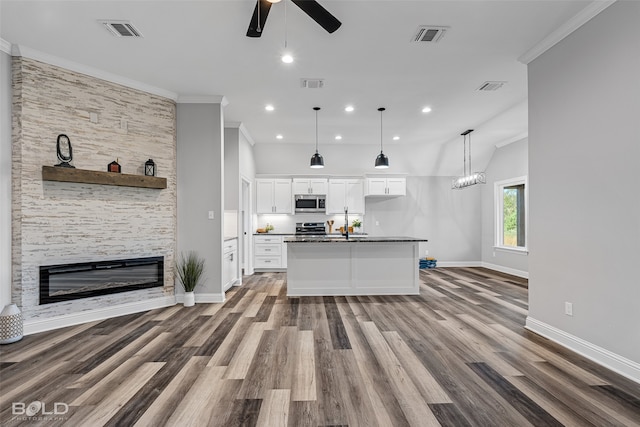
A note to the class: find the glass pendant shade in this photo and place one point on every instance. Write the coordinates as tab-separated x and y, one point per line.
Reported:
382	161
317	161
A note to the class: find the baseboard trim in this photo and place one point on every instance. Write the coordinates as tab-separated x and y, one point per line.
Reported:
458	264
203	298
601	356
43	325
507	270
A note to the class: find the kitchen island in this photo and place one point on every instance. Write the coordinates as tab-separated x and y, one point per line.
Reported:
360	265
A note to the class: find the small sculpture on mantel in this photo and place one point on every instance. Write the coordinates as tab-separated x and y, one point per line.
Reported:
64	151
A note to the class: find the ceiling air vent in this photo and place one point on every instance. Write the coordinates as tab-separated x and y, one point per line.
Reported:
312	83
429	34
121	28
490	86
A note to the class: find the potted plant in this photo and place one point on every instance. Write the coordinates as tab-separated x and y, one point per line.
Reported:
189	270
356	223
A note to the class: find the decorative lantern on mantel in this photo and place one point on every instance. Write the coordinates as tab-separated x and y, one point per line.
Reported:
150	168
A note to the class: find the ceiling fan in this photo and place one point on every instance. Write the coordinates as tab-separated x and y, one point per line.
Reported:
311	7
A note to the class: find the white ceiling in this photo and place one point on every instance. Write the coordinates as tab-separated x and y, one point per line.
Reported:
199	48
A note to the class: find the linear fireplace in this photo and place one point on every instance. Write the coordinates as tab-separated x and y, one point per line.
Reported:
73	281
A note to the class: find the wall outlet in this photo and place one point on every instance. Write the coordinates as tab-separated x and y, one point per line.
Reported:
377	223
93	117
426	253
211	215
568	308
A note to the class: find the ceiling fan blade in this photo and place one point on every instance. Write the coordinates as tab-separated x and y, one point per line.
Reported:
255	30
319	14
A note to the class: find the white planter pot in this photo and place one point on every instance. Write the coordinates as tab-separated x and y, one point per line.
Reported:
189	299
10	324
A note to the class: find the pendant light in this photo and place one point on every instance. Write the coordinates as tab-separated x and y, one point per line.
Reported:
468	178
317	161
286	57
382	161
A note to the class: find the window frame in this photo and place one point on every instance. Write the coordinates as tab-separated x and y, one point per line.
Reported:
499	213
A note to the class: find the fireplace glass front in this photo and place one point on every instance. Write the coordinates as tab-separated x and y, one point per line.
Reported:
81	280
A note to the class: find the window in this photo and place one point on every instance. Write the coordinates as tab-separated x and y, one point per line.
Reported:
511	214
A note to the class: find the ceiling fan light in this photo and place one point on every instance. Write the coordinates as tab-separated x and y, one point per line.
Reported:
382	161
317	162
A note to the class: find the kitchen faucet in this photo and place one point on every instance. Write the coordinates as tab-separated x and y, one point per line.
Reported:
346	222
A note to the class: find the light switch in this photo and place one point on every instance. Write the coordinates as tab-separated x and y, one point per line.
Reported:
93	117
211	215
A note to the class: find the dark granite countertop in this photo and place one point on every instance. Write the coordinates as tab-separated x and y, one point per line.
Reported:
352	239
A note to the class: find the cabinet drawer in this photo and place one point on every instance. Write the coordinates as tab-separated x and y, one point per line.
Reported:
267	262
269	249
267	239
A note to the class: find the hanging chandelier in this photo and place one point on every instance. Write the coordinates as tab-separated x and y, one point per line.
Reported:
468	178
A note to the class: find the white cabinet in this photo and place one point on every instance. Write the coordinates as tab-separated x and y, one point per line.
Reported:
309	186
345	194
268	252
230	272
274	196
386	187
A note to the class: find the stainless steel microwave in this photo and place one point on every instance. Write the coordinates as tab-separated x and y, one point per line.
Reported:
309	203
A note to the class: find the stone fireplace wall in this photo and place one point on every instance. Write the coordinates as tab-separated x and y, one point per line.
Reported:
59	222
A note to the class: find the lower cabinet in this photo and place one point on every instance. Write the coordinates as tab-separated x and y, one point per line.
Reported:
230	273
269	253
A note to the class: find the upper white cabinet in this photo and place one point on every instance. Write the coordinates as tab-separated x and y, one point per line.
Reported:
345	194
309	186
274	196
386	187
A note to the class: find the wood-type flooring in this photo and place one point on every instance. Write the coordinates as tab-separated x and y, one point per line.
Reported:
456	355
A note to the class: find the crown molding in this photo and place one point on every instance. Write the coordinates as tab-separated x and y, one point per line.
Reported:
203	99
27	52
5	46
242	128
581	18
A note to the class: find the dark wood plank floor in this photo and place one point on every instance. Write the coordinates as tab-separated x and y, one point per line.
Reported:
457	355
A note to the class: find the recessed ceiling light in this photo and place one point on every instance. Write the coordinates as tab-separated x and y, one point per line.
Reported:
287	58
279	136
338	137
269	107
426	110
395	138
348	108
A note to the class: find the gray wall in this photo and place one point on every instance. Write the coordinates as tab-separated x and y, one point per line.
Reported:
449	219
5	178
584	105
200	190
508	162
231	169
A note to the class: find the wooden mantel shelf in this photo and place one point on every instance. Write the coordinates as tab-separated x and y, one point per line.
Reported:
53	173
